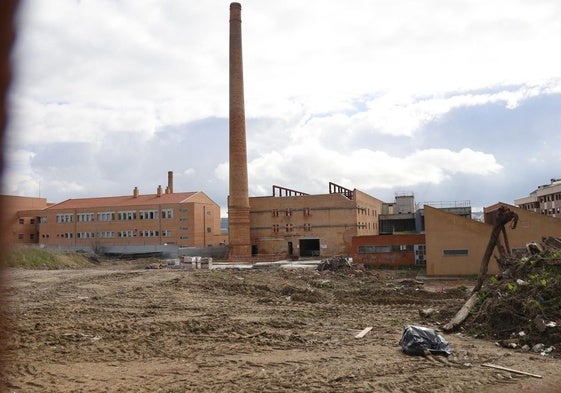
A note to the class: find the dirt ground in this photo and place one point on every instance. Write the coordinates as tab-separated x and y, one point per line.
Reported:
127	329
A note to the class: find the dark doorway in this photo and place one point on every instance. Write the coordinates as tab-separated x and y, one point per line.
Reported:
290	249
254	249
309	248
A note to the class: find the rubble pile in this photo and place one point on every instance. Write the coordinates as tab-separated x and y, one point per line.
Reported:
335	263
521	307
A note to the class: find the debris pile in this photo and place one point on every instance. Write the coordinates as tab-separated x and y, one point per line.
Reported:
335	263
521	307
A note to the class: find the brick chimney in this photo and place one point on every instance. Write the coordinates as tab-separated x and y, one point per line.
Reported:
159	191
238	199
169	188
135	192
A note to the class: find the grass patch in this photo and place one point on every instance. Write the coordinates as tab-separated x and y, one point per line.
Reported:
35	258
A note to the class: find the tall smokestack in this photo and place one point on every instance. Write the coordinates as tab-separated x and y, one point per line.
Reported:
170	182
238	200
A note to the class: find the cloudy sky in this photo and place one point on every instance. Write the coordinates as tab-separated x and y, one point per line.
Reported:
450	100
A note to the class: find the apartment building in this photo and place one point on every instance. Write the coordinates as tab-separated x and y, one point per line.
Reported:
189	219
295	224
546	199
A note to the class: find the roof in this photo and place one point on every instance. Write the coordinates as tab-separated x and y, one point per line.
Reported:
126	200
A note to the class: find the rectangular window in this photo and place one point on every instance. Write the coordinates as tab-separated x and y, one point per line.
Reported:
43	220
20	236
85	217
64	218
276	228
167	213
307	212
307	227
460	252
275	213
148	215
21	221
32	221
208	229
288	212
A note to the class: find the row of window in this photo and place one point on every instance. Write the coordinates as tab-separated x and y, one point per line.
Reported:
107	234
125	215
551	211
366	210
385	248
288	228
406	248
21	221
550	198
288	212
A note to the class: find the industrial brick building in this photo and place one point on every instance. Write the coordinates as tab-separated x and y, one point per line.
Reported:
546	199
294	224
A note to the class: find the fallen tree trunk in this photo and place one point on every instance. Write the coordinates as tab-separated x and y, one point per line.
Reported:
462	314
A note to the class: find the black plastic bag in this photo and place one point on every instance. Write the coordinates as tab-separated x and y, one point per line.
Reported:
417	340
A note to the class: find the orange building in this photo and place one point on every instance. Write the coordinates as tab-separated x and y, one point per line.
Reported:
455	245
294	224
188	219
19	225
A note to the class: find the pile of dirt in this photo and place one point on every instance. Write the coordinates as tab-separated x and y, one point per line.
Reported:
521	307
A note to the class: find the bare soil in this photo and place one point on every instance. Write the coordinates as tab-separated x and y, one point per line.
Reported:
127	329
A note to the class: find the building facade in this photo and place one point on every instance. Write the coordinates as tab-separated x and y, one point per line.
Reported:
546	200
19	224
295	224
189	219
455	245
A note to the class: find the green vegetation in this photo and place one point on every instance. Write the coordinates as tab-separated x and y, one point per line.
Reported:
36	258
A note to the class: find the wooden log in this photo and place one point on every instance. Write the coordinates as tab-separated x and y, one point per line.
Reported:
462	314
511	370
363	333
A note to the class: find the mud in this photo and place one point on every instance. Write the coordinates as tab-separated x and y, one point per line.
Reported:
125	329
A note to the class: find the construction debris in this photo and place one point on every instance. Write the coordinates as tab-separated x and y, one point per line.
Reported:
520	307
335	263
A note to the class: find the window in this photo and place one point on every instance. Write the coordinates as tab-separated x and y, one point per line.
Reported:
183	228
31	236
288	212
275	213
20	236
32	221
289	227
307	227
85	217
64	217
208	230
106	216
460	252
166	233
127	215
43	220
276	228
148	214
167	213
21	221
307	212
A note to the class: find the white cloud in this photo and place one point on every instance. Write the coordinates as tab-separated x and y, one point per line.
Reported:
326	84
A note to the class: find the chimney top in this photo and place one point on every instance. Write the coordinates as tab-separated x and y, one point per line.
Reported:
159	191
135	192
